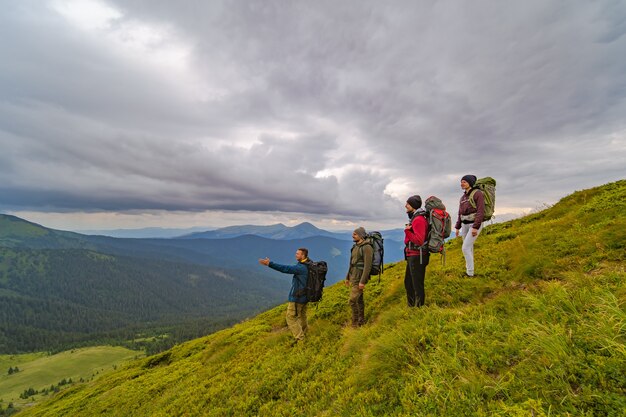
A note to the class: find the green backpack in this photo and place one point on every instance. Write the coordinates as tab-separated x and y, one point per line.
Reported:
488	186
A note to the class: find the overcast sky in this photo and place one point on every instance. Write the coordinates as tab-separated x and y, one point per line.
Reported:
144	113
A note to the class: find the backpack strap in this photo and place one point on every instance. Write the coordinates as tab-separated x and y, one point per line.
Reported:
369	242
303	291
471	196
425	244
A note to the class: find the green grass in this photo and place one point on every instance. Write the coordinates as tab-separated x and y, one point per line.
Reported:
40	370
540	331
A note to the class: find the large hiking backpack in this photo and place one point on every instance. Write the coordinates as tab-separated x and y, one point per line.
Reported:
439	226
315	280
375	239
488	186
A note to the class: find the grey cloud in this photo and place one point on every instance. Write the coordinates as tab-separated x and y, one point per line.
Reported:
104	169
424	90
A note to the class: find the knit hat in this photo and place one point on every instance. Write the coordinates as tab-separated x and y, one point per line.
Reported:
471	179
361	232
415	201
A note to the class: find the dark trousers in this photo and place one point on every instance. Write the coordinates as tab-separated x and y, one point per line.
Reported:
414	279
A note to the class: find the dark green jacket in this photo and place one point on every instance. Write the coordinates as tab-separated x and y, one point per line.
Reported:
361	259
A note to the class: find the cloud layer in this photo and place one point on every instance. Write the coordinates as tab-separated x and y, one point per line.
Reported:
336	110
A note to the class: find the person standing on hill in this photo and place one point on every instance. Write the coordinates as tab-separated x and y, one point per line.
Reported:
470	219
361	258
416	254
296	307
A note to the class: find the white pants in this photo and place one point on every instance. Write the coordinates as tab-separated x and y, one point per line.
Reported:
468	246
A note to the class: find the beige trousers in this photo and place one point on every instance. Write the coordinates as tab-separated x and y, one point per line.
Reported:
296	319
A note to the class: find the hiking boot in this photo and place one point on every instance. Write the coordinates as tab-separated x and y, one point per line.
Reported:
353	324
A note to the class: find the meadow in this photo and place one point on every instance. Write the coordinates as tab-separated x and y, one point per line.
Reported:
40	371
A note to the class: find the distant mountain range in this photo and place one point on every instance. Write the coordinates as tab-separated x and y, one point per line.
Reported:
282	232
146	232
276	231
241	249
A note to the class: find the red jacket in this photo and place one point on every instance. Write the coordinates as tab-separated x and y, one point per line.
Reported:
417	234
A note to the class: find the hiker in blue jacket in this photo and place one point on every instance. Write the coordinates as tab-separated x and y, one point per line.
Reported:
296	307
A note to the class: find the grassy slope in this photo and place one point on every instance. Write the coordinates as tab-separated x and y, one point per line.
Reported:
540	331
39	371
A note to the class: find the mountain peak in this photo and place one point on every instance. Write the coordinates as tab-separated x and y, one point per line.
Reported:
275	231
306	226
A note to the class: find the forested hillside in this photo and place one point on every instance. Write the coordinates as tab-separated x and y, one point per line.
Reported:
540	331
52	299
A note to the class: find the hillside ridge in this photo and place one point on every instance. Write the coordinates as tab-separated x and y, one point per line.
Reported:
539	331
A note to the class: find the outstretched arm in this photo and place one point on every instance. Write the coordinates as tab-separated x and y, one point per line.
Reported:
288	269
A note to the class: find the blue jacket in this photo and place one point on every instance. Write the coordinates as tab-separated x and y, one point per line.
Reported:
300	273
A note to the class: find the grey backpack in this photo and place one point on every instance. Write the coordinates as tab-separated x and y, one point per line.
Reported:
439	224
